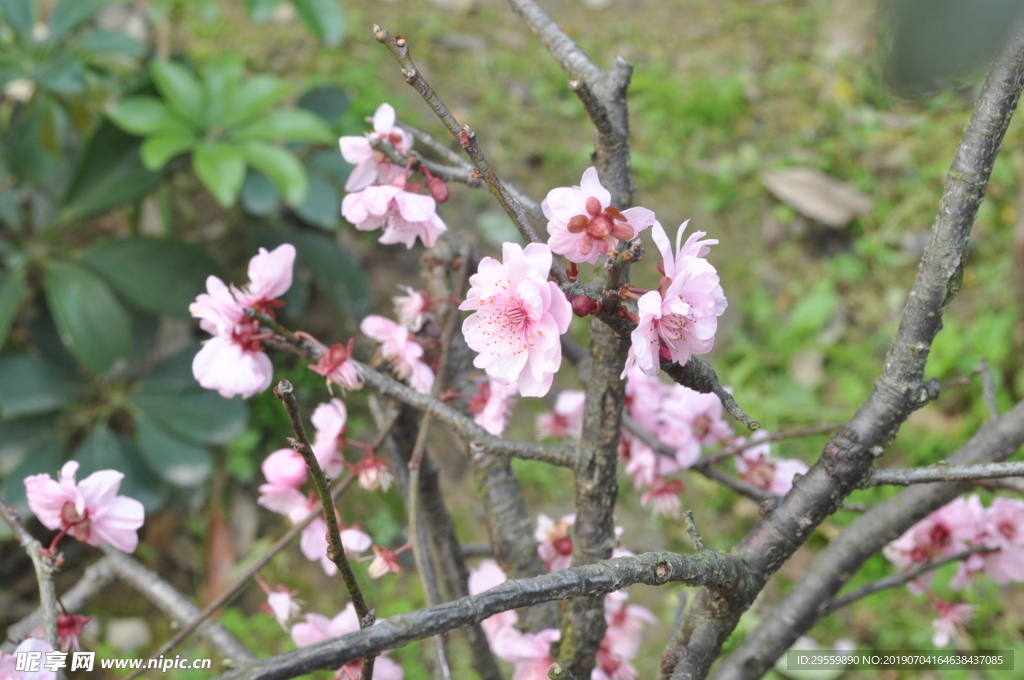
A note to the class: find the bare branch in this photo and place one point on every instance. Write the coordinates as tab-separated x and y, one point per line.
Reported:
942	473
45	565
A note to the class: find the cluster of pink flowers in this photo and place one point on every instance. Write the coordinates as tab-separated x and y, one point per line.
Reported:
381	193
317	628
89	510
758	468
998	531
400	347
530	653
232	361
285	471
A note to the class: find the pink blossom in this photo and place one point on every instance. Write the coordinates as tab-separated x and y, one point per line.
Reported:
397	347
283	605
285	467
89	510
373	473
486	576
758	468
555	547
404	215
318	628
529	652
370	163
566	420
518	318
582	224
680	318
38	649
953	618
330	440
999	529
664	496
335	364
270	276
233	364
646	465
491	405
701	412
412	308
621	643
69	627
384	562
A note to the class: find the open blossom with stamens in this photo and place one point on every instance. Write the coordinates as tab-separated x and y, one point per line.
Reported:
555	541
232	361
369	162
582	225
566	420
89	510
680	318
403	351
518	318
404	214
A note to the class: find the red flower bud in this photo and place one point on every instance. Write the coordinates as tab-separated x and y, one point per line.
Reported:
438	189
582	305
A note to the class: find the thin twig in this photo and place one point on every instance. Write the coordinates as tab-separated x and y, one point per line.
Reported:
942	473
691	529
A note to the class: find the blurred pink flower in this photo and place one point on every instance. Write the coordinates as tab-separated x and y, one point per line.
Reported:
621	643
412	308
680	318
283	606
701	412
318	628
285	467
370	163
334	363
953	618
555	548
757	467
270	276
36	649
529	652
405	215
373	473
486	576
397	347
384	562
518	318
89	510
566	420
581	223
664	497
329	420
491	405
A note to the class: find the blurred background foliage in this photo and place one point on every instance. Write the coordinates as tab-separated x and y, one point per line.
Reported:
148	145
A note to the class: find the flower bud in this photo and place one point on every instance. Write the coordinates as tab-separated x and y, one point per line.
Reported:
583	305
438	189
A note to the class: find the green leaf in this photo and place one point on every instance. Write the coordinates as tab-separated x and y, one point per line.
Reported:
110	42
160	150
18	437
259	196
200	416
289	125
337	275
321	204
105	450
159	275
12	291
328	102
281	167
260	11
179	88
221	169
69	14
64	74
41	386
145	116
173	374
324	17
221	79
92	323
21	16
253	97
174	460
107	173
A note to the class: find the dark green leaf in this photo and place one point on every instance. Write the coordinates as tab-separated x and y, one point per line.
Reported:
69	14
159	275
324	17
288	125
110	42
12	291
331	165
144	331
179	88
145	116
174	460
92	323
173	374
253	97
45	458
221	169
27	158
200	416
105	450
160	150
64	73
321	204
21	16
281	167
259	196
328	102
18	437
107	173
34	386
336	274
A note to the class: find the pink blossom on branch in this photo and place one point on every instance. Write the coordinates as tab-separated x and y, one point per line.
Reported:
582	225
491	405
397	346
680	318
317	628
89	510
370	163
518	318
566	419
404	214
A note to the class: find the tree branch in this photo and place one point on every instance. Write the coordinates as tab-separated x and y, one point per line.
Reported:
45	565
942	473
